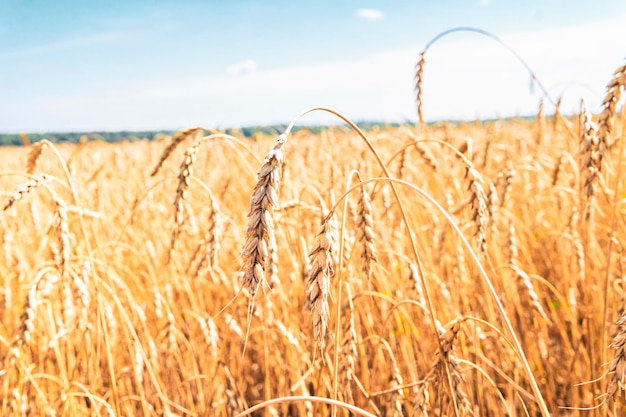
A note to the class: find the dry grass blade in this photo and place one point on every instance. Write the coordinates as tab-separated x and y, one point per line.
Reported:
264	201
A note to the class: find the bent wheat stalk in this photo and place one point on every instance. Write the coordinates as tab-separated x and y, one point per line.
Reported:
483	273
490	35
538	396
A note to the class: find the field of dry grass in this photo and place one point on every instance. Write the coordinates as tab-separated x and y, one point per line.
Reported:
443	270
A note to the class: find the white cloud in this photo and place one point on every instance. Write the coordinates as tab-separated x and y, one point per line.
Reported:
370	14
245	67
484	3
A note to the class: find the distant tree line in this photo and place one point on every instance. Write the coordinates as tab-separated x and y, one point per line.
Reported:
16	139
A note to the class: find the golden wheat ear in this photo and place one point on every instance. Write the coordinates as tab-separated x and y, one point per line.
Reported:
318	279
178	138
365	233
34	155
263	202
606	121
419	81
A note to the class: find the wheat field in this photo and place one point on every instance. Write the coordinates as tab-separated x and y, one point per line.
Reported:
425	270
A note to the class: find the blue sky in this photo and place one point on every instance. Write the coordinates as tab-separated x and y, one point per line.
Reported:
111	65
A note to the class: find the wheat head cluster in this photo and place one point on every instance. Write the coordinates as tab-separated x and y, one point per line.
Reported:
468	269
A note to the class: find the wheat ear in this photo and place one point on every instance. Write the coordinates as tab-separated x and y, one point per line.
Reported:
348	345
606	122
318	279
38	292
394	406
365	232
540	124
478	203
427	156
528	295
419	74
260	218
617	367
557	115
591	165
507	182
184	179
24	189
34	155
176	140
437	375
